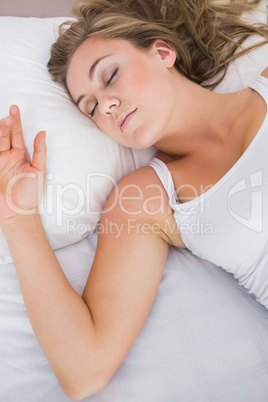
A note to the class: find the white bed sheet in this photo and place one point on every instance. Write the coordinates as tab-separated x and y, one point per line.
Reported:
206	339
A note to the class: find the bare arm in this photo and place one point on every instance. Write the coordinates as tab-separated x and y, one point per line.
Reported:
86	339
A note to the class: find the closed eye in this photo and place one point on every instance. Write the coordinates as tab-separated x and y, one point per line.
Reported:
112	76
91	114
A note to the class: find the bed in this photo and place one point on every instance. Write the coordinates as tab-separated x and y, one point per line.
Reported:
206	338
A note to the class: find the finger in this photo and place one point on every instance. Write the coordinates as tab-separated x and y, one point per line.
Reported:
40	151
17	140
5	126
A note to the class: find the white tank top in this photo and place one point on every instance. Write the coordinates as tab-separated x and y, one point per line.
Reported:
228	224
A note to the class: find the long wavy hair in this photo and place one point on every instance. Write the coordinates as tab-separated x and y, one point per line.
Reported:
206	34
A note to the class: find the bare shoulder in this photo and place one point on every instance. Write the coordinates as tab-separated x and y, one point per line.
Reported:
141	196
265	73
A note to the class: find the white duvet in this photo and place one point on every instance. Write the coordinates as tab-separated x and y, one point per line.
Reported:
205	340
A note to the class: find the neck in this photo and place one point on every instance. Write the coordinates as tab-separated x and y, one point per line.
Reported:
203	120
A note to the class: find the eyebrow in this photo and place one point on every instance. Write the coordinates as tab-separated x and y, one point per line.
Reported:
91	74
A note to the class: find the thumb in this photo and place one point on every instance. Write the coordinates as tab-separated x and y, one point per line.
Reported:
40	151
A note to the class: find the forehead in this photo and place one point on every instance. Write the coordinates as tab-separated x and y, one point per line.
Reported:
94	48
91	50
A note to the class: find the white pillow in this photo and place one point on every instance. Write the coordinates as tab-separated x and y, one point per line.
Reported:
83	163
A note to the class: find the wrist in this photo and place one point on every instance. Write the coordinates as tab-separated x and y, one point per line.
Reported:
19	221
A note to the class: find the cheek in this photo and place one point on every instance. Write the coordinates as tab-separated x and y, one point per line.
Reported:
104	125
138	79
149	88
107	126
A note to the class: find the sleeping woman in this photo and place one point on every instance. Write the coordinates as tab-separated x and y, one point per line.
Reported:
138	70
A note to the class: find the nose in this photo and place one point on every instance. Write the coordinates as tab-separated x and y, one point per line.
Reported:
108	104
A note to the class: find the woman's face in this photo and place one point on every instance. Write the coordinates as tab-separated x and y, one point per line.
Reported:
129	93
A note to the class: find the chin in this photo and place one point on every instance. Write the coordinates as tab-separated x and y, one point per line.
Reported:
143	139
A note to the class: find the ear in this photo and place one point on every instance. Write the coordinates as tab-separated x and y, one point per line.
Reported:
165	51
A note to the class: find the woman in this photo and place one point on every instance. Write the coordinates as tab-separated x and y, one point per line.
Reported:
140	91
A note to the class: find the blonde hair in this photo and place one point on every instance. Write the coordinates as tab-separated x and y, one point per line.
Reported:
206	34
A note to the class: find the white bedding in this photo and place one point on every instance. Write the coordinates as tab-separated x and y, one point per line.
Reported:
205	340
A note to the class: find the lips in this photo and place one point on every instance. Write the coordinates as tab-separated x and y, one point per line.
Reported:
124	119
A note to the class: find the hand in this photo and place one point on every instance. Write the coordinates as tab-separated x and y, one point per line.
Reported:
21	182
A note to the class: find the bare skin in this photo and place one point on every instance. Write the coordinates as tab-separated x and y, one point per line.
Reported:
86	339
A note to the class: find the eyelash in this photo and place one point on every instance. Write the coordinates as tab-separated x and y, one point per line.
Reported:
91	114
